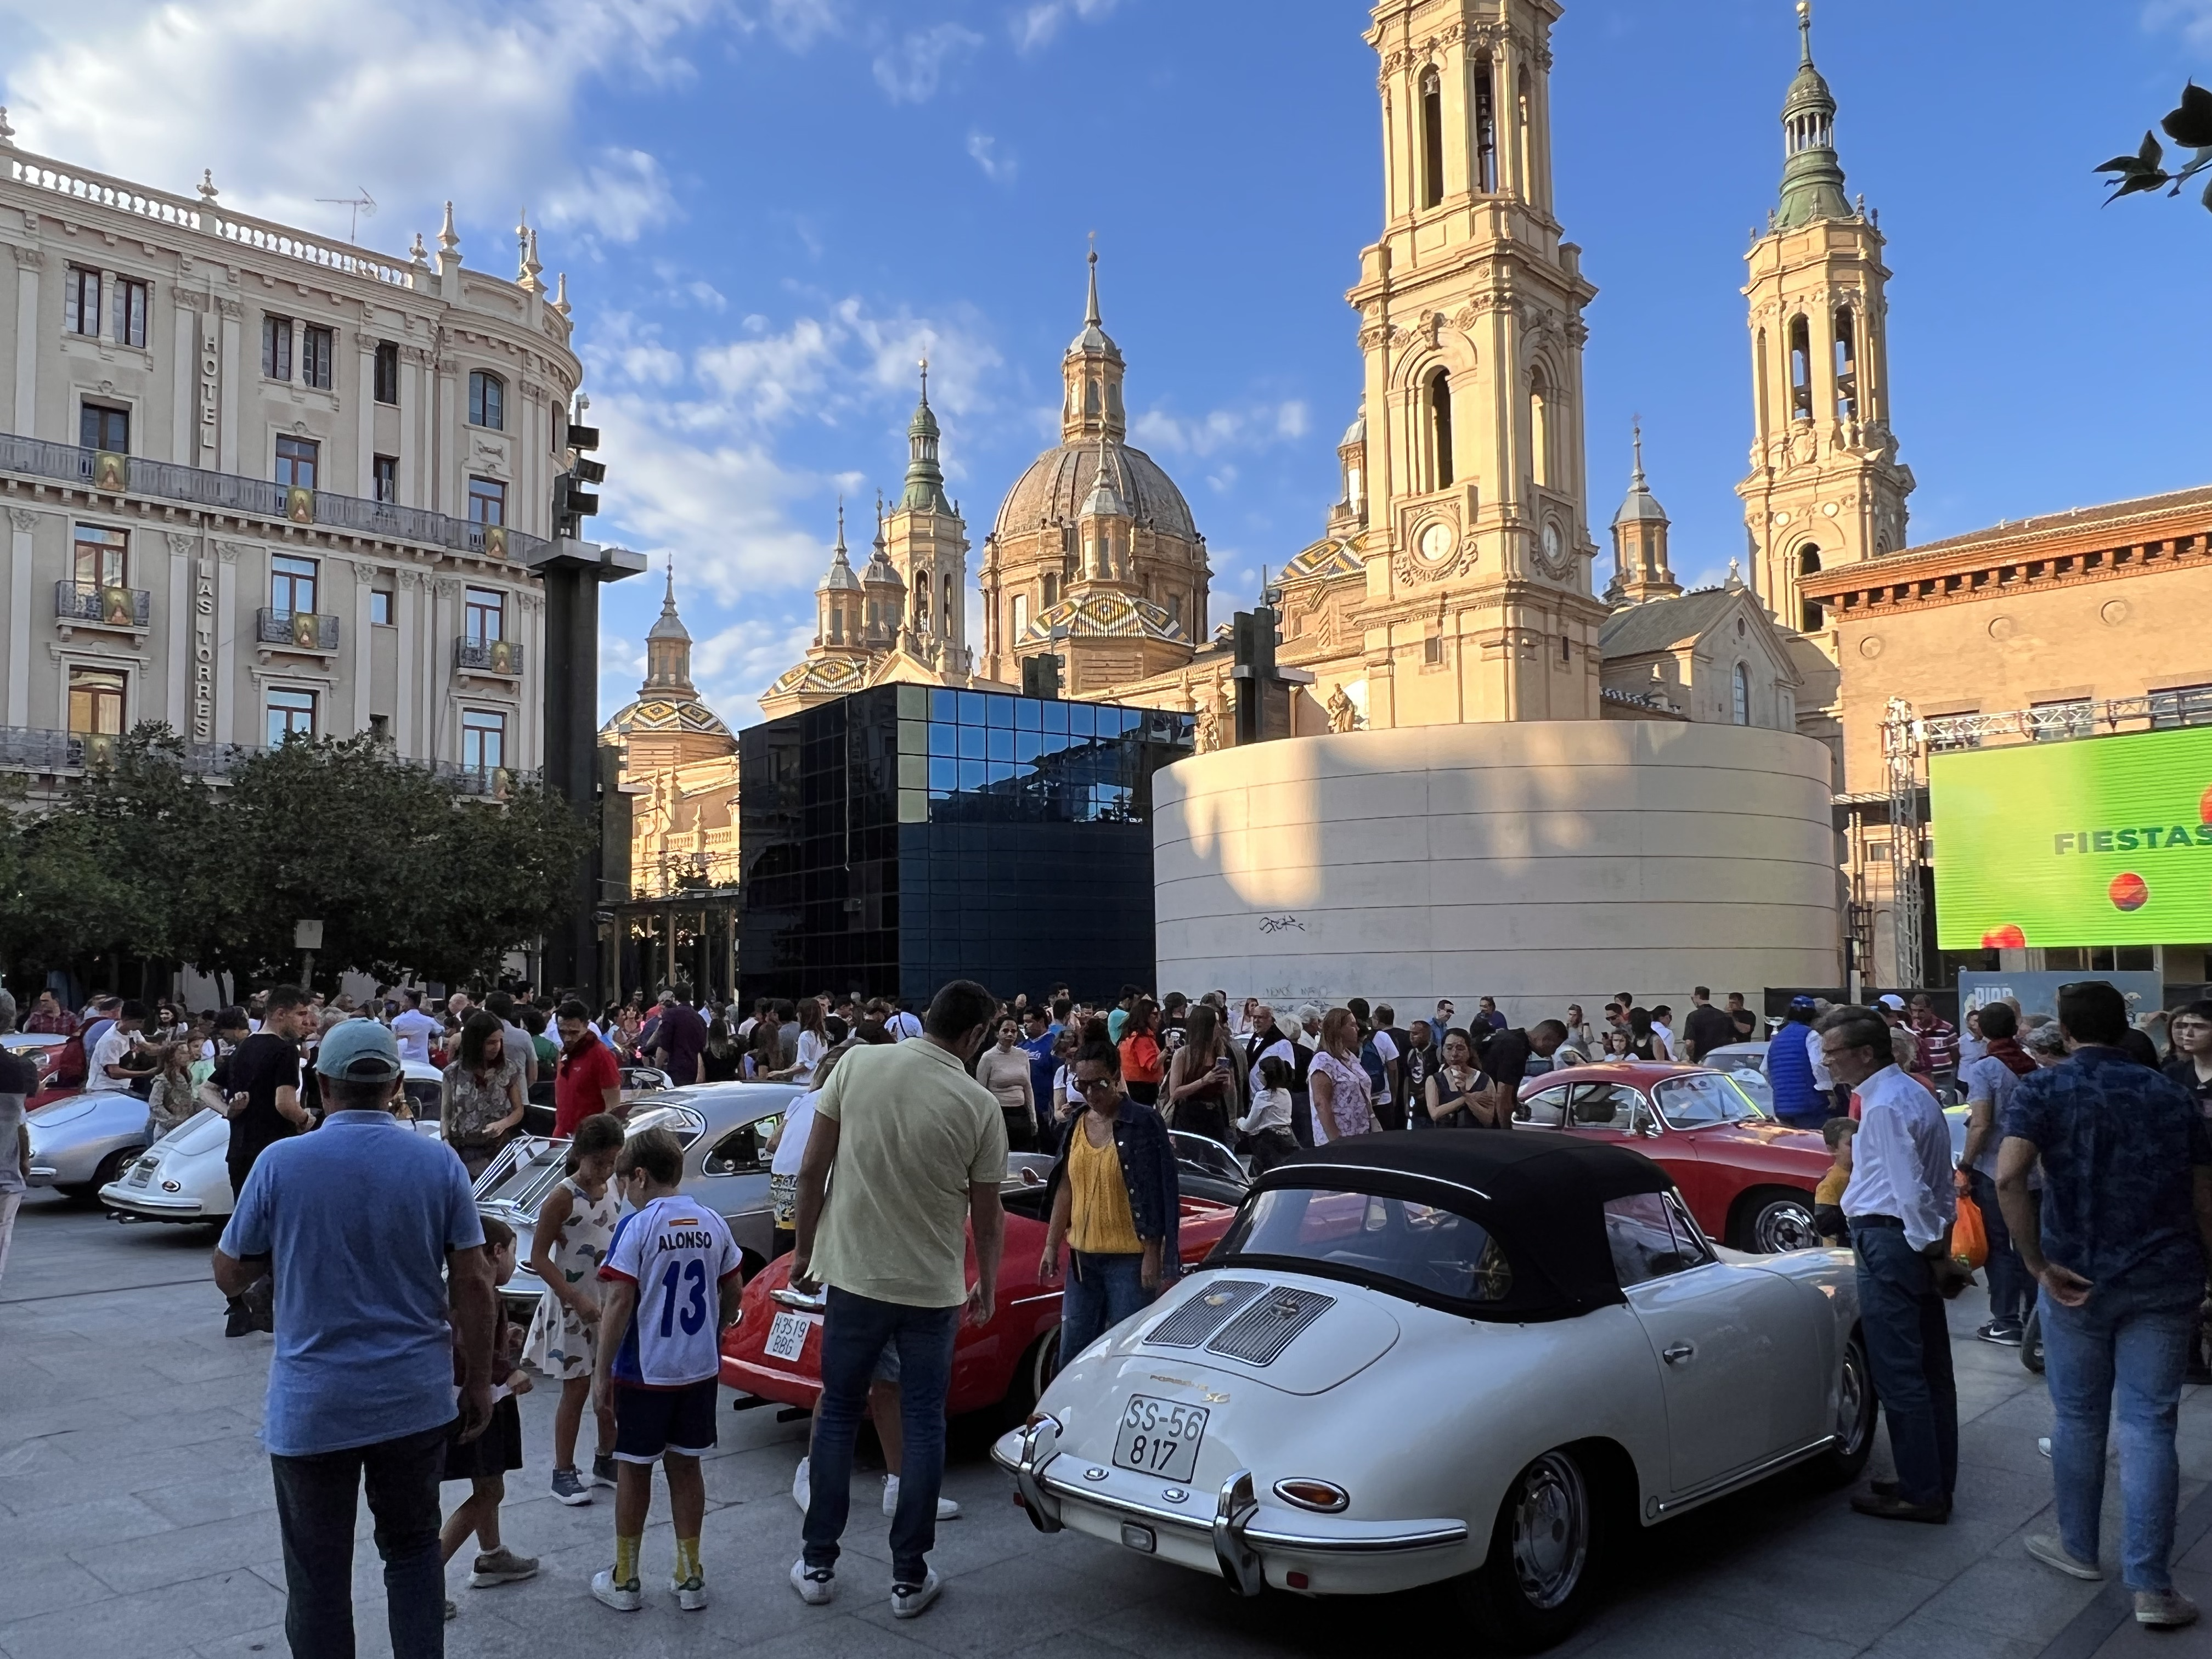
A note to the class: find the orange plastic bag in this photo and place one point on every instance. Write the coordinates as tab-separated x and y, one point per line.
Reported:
1970	1239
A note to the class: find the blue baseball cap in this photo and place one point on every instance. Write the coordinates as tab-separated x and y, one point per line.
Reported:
358	1051
1803	1005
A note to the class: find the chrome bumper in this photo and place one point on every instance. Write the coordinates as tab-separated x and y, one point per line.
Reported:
1236	1529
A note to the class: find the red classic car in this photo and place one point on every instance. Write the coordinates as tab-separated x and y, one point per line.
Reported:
1748	1179
773	1353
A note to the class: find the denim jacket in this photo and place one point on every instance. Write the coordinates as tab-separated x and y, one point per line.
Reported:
1148	1172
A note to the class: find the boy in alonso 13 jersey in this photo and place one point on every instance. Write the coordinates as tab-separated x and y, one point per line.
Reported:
672	1280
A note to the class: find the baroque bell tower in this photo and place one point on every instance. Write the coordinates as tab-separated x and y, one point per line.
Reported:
1825	487
1477	545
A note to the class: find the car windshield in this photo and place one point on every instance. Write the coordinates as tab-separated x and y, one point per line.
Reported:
1752	1081
1197	1155
1697	1099
1395	1240
522	1180
686	1125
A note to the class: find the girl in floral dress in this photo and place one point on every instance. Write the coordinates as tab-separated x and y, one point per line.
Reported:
574	1224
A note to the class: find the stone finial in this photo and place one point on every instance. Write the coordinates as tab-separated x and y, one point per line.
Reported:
530	280
449	240
419	255
561	294
207	189
1735	572
7	132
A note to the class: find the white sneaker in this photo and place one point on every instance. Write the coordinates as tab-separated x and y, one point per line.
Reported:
623	1598
909	1600
815	1585
2045	1547
690	1593
802	1489
2043	1444
2159	1609
946	1509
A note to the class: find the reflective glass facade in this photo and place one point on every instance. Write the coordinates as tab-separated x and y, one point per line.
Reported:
906	835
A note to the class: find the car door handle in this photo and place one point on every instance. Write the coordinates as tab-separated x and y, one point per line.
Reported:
1675	1353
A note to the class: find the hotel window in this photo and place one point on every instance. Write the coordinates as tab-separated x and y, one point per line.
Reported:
81	301
102	556
99	427
317	346
383	473
483	740
276	347
484	615
387	372
487	400
129	311
2181	705
290	713
379	607
486	501
291	584
2068	718
95	701
296	461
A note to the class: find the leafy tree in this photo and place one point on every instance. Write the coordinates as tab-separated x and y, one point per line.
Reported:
2189	125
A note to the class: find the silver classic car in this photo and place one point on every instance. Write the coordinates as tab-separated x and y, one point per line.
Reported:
724	1129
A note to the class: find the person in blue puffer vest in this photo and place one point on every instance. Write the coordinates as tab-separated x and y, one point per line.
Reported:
1798	1101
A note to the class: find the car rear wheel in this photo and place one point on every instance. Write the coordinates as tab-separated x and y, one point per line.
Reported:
1034	1371
1776	1221
1541	1573
1855	1411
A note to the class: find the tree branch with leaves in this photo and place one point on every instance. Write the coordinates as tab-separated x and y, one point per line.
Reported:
2189	126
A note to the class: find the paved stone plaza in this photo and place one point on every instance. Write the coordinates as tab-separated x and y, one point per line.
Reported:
137	1519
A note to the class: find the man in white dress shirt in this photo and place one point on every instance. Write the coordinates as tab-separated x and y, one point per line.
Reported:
1901	1203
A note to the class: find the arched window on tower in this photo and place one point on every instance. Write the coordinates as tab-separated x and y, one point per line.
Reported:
1432	138
1524	159
1811	619
1440	430
1801	369
1485	131
1540	432
1758	382
921	605
1740	696
944	609
1847	366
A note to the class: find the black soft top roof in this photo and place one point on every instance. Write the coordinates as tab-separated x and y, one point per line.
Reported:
1541	1193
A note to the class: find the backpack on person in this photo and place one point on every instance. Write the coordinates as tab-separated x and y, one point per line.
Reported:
70	1063
1370	1061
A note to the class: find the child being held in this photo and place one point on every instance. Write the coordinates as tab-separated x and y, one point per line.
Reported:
485	1461
1828	1196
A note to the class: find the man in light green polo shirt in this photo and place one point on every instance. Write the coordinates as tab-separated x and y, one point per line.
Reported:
918	1148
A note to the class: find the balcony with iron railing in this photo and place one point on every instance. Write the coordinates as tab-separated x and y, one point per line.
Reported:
95	605
296	630
233	493
501	658
38	749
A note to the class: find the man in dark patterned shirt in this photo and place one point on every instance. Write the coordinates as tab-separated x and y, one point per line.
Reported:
2120	1248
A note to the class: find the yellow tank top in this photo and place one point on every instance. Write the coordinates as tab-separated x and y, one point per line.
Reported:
1099	1223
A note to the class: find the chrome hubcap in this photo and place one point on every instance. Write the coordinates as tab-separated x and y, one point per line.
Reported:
1550	1531
1853	1415
1785	1227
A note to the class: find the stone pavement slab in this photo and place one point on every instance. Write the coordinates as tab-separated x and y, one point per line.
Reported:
137	1521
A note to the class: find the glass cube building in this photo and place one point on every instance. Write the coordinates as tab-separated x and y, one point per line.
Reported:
906	835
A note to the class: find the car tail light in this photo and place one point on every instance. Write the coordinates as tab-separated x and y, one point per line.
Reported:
1322	1496
1296	1580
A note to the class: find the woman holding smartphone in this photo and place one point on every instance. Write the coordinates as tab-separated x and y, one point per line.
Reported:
1202	1096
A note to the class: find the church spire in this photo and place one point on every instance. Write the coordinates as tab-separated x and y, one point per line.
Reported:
1092	370
925	477
1639	539
668	649
1812	177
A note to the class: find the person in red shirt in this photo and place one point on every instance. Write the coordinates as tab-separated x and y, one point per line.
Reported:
586	1080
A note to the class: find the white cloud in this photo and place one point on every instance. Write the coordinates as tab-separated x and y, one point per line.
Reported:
1255	427
2193	17
1037	26
911	70
418	100
983	150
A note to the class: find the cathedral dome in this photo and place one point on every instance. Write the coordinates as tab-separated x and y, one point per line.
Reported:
650	715
1053	490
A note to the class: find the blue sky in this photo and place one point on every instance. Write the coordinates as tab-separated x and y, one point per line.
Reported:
768	208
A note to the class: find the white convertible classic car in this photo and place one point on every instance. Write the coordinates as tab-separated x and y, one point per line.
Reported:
1475	1357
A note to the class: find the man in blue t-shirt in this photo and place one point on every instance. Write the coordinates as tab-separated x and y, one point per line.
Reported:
1038	1035
375	1243
2120	1245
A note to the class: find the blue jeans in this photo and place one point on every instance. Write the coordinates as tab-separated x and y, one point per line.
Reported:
1909	1350
317	1499
2010	1288
2131	1344
854	1332
1101	1291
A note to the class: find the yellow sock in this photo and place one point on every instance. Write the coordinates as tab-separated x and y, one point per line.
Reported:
687	1560
626	1556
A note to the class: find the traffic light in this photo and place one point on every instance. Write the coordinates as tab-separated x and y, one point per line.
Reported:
571	501
1041	677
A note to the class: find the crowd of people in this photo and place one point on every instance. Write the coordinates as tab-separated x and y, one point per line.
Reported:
2086	1154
